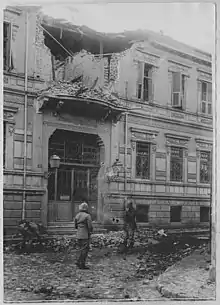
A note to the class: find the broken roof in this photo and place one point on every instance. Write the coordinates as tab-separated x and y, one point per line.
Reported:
75	38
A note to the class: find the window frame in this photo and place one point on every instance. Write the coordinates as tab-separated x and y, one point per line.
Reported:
200	218
209	165
141	82
149	160
7	65
180	213
181	92
206	102
182	157
148	210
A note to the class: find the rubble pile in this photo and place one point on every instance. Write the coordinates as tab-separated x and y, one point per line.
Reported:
158	257
111	239
78	89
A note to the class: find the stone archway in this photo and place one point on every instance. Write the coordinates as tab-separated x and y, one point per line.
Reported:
81	156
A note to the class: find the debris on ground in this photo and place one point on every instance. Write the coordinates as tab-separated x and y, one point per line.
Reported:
49	272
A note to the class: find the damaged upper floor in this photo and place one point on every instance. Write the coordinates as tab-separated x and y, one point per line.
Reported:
134	65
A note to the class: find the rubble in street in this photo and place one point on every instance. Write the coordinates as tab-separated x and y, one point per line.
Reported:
49	274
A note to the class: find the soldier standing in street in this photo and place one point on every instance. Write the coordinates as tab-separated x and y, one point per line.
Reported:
129	225
83	224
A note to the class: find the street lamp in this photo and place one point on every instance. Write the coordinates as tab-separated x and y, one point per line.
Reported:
54	164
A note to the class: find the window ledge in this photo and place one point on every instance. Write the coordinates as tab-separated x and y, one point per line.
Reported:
208	184
176	182
141	180
142	224
205	115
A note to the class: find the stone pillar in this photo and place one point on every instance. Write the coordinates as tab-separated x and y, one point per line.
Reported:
168	168
153	162
185	165
197	166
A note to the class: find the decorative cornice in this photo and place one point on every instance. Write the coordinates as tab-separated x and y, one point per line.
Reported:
179	140
182	54
205	144
13	10
179	63
174	121
143	135
13	109
177	136
8	115
16	91
142	130
203	140
142	50
204	71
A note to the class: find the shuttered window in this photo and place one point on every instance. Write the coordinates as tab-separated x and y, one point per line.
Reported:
145	82
206	97
6	45
178	89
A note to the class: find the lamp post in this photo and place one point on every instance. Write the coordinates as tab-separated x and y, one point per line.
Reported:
54	161
54	165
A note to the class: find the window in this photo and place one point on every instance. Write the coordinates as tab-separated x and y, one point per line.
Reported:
178	90
4	143
142	212
205	166
143	160
145	84
7	45
204	214
176	164
206	98
83	150
175	213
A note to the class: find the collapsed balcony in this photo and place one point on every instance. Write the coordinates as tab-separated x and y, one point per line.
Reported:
77	99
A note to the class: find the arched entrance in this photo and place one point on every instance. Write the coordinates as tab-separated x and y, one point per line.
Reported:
76	178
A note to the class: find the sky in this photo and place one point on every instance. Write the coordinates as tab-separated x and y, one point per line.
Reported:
190	23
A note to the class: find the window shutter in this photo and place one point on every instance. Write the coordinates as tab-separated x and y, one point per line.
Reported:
150	87
176	89
203	107
204	91
140	79
199	95
209	92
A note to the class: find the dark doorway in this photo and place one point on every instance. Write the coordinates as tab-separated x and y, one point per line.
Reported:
76	178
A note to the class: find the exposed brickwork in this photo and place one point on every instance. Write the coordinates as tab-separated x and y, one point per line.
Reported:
43	64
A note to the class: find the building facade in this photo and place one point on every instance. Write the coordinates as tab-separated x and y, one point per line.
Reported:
148	105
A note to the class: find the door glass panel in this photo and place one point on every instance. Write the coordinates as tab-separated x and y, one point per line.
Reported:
64	185
80	185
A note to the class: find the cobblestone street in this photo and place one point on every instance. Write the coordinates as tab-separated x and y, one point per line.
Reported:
45	277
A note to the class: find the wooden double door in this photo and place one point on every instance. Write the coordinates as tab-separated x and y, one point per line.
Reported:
67	188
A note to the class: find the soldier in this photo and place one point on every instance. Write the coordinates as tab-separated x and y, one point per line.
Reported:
129	225
83	224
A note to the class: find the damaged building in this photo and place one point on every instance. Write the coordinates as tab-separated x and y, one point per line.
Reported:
137	99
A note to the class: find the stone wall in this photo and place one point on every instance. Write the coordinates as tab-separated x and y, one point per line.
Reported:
12	204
